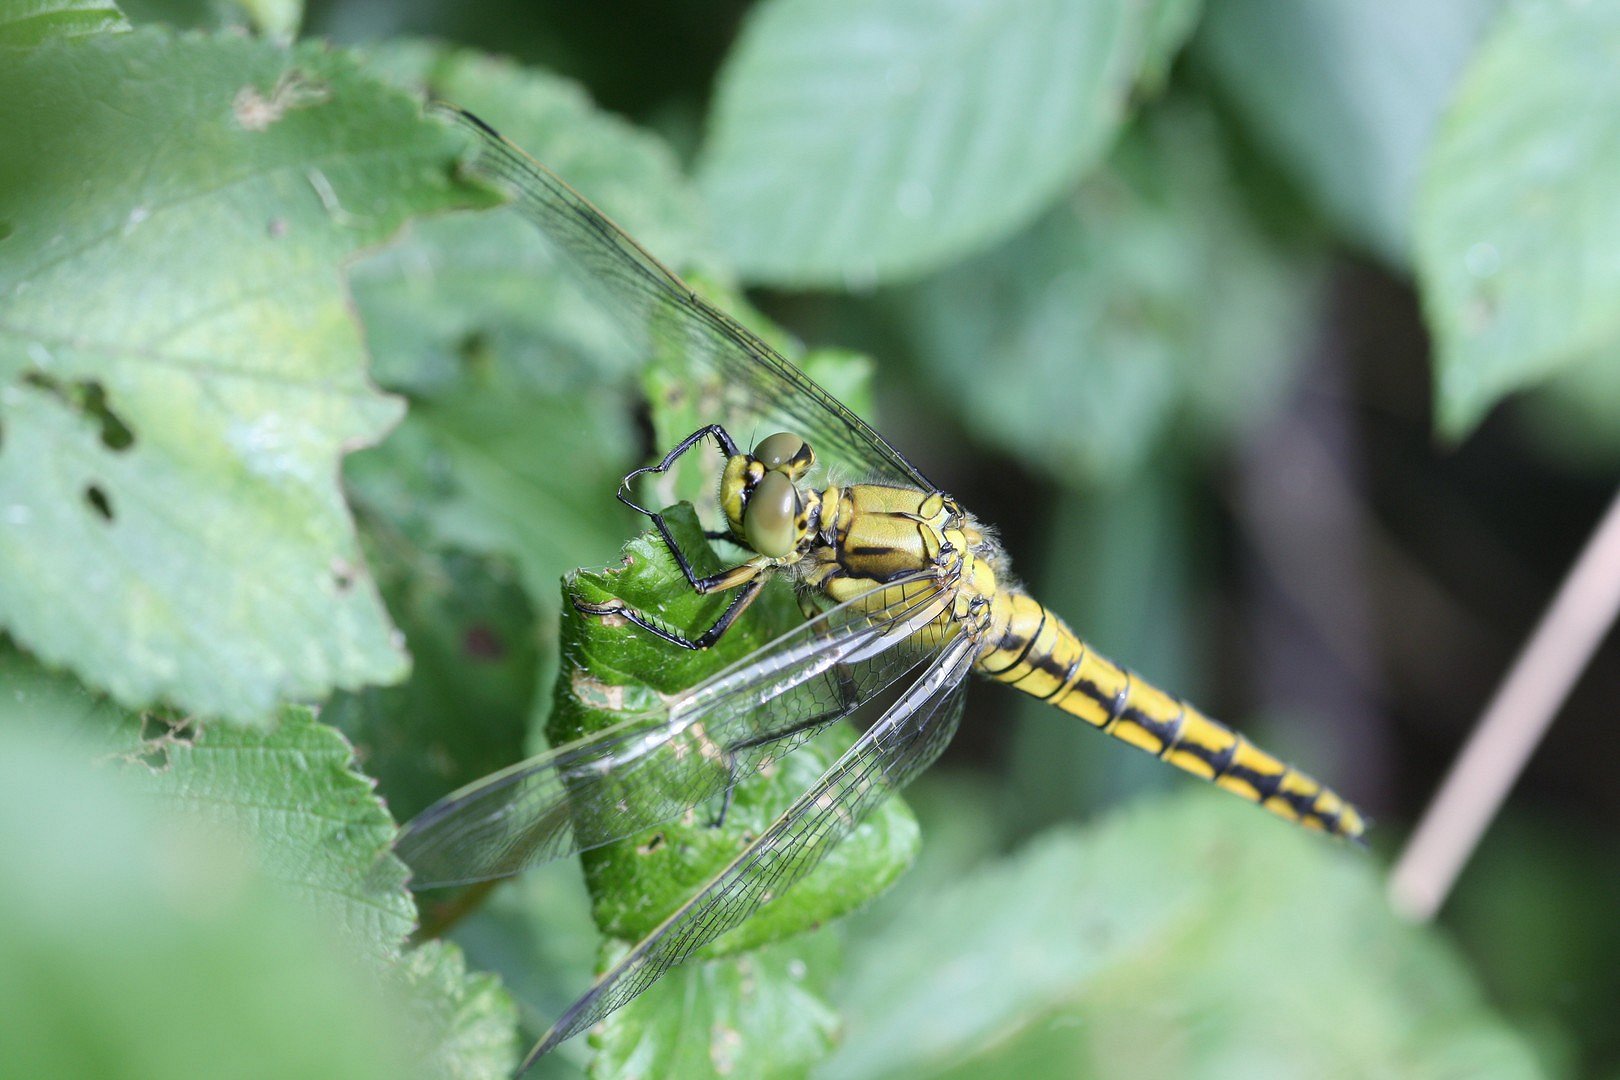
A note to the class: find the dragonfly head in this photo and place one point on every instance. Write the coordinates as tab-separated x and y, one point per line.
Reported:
760	494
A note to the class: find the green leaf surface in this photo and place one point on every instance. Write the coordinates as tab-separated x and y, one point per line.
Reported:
282	815
318	827
277	19
536	933
1187	937
25	23
1346	95
759	1015
614	670
1517	219
1570	418
179	371
137	947
853	142
1147	299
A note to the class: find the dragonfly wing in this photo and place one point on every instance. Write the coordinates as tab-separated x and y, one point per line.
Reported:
649	769
901	744
655	307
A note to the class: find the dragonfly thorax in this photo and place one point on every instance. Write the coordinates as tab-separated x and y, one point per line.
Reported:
760	495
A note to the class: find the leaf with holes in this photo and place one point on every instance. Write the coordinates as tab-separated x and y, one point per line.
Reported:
281	816
294	791
859	142
612	669
179	371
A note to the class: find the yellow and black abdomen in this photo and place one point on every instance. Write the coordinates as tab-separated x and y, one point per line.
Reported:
1038	653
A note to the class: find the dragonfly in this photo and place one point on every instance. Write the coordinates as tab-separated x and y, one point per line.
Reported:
905	593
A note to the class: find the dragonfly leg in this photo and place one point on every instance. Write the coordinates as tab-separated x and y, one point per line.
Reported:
751	583
728	446
726	579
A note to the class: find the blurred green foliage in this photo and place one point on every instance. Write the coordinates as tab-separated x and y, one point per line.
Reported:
293	414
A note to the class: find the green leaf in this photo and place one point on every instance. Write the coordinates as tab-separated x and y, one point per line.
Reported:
1149	297
277	19
759	1015
1517	213
25	23
284	816
857	142
615	670
536	933
1116	953
140	945
1346	94
1570	419
179	371
318	827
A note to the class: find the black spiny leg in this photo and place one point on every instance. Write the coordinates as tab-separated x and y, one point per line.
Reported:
728	446
748	585
748	577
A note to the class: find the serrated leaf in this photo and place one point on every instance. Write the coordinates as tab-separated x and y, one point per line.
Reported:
860	142
179	372
1185	937
1346	94
759	1015
285	816
138	947
1516	214
1149	296
613	669
25	23
318	827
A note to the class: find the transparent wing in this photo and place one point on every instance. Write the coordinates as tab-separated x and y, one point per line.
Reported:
901	744
648	770
656	308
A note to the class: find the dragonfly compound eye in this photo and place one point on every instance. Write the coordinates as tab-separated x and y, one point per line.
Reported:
770	521
784	451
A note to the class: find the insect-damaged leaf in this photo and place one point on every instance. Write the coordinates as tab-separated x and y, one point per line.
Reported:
179	371
612	669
